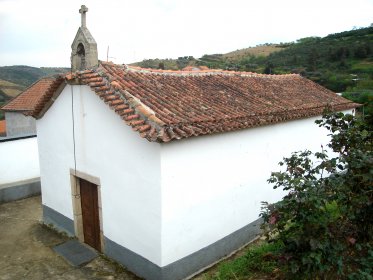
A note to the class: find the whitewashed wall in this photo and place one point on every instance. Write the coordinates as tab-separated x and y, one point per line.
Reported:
166	201
214	185
19	160
128	168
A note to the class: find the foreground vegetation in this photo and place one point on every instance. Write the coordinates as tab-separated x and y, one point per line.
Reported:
326	220
257	261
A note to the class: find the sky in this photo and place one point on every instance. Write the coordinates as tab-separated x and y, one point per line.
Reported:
40	32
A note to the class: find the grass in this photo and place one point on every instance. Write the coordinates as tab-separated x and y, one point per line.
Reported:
264	50
363	67
10	89
12	92
257	261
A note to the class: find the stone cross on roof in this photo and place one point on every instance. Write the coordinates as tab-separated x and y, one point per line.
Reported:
84	47
83	10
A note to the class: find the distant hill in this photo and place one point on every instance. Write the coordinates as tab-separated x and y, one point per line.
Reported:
26	75
10	89
338	61
331	61
261	50
209	59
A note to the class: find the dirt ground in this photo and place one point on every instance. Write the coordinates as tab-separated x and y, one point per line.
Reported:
26	249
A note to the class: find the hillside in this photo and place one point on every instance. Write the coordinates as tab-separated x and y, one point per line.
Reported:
261	50
167	63
342	62
26	75
209	59
337	61
9	89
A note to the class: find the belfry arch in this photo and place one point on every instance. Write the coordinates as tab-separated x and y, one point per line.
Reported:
84	47
80	52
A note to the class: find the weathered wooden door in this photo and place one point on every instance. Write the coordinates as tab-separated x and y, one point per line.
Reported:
90	213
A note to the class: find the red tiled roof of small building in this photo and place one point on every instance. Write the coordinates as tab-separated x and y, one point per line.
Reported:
165	105
2	128
33	99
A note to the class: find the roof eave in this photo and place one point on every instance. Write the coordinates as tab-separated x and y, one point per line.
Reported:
49	103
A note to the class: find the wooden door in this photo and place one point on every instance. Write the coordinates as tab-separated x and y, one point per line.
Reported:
90	213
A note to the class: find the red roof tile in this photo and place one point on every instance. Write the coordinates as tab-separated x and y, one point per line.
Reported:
33	99
168	105
2	128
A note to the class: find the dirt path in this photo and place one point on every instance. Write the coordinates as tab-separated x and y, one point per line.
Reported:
26	249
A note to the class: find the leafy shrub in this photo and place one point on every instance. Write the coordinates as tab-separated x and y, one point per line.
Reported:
326	220
363	97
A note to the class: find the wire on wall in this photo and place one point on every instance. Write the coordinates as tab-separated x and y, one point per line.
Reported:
73	127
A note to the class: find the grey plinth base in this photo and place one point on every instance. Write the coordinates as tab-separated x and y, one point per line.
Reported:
177	270
188	265
58	221
19	190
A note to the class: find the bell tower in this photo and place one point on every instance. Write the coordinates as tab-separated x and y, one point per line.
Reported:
84	47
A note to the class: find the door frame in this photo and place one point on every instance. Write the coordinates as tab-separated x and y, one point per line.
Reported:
77	206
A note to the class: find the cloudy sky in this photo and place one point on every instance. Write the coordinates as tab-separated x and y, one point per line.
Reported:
40	32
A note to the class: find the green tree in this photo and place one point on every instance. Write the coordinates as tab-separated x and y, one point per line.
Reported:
326	220
269	68
313	57
362	51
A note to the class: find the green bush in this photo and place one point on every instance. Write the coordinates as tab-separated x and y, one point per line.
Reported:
363	97
326	220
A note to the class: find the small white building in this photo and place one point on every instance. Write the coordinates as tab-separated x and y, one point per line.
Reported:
19	110
165	171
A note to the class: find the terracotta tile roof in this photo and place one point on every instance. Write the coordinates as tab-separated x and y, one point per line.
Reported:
2	128
165	105
33	99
